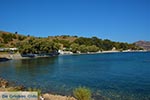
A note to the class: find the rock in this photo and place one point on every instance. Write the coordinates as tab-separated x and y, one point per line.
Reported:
56	97
21	88
3	83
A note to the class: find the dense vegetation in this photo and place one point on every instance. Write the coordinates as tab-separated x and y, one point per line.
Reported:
37	46
29	44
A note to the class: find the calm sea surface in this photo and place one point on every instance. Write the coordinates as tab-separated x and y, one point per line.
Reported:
118	76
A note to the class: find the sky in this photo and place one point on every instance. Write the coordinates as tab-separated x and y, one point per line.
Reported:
117	20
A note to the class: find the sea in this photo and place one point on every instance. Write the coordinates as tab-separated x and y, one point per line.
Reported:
109	76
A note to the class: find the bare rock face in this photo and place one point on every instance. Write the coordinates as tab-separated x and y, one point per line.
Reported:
57	97
143	44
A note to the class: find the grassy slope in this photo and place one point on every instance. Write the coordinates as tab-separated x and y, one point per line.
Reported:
14	41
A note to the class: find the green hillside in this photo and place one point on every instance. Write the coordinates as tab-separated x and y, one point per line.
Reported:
31	44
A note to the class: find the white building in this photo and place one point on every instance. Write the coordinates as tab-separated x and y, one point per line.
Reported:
8	49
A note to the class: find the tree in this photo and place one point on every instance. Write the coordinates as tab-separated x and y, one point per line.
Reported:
16	32
97	42
92	48
65	43
116	45
74	47
38	46
107	45
7	37
25	48
20	37
83	41
123	46
83	49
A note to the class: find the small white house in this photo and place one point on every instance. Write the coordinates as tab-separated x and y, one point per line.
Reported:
65	52
11	49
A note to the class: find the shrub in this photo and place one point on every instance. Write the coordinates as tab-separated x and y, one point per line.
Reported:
82	93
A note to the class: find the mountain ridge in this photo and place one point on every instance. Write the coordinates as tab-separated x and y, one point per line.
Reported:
143	44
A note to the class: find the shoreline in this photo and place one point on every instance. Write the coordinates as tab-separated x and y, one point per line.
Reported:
18	55
5	86
105	52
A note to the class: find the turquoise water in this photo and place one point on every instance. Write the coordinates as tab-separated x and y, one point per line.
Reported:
118	76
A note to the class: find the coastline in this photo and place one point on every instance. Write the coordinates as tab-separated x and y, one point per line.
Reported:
109	51
17	55
7	86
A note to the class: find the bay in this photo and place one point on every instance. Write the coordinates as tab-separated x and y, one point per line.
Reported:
118	76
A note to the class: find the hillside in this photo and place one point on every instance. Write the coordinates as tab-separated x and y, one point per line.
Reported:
8	39
143	44
38	45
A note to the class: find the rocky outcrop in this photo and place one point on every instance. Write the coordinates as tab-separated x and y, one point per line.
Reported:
11	56
7	86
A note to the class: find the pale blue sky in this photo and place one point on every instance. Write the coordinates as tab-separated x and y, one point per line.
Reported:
117	20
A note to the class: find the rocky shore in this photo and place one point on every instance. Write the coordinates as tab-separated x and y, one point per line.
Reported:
17	55
10	56
6	86
56	97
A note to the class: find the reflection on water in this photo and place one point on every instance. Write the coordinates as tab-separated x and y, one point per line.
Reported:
33	67
119	76
27	70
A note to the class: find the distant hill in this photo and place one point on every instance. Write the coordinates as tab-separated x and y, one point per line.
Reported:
143	44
